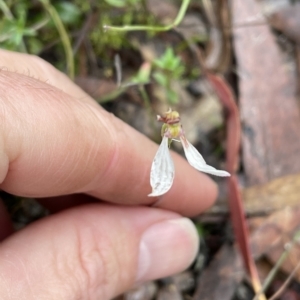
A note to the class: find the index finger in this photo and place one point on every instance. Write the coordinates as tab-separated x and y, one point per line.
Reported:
54	144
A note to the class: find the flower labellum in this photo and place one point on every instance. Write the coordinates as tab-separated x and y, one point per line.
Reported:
162	169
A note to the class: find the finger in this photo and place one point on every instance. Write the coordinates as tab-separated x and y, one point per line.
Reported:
53	144
94	252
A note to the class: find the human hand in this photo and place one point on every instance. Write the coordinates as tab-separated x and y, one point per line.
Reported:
92	170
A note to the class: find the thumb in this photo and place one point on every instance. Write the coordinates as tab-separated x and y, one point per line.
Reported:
94	252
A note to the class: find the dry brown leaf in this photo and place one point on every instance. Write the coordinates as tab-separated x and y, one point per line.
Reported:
220	279
266	198
274	234
274	195
269	109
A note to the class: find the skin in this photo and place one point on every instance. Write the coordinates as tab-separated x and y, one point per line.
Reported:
92	171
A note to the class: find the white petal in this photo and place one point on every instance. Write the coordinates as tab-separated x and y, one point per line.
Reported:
196	160
162	170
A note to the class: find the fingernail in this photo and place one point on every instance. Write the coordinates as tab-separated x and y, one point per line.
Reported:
167	248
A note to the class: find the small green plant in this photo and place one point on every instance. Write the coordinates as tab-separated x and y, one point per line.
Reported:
28	26
117	12
15	28
168	67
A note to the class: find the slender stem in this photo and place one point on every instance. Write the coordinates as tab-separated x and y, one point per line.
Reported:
63	35
285	284
117	62
275	269
178	19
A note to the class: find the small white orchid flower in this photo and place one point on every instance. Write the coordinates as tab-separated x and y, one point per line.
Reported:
162	169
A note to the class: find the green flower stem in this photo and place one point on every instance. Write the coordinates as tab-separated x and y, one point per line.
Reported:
181	14
63	35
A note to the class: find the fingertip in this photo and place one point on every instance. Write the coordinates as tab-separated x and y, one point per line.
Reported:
162	246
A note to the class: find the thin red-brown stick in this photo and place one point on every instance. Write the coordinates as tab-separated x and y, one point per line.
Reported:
226	96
